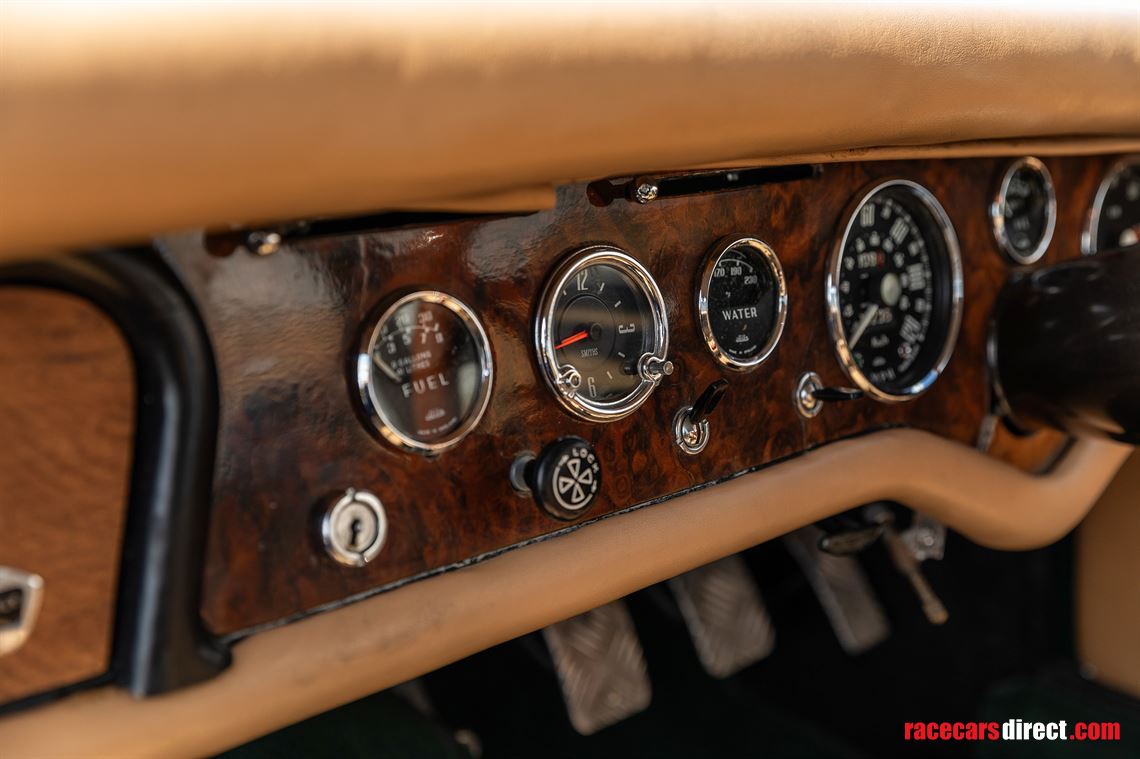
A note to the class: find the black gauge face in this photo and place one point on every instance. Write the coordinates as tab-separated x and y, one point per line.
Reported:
603	325
1116	213
741	303
426	372
601	334
893	292
1025	211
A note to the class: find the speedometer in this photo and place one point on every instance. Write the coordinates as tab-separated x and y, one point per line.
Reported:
601	334
894	291
424	372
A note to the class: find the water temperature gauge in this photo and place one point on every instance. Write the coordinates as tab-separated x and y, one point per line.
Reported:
742	302
424	372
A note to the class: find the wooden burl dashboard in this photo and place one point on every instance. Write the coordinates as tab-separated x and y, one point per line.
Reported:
286	327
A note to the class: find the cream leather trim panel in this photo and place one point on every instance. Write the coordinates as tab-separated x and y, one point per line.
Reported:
125	119
1108	584
286	674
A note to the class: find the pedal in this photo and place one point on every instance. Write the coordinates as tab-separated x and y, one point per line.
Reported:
600	666
907	556
726	617
843	591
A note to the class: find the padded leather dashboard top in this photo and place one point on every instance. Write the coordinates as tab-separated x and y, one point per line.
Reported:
126	119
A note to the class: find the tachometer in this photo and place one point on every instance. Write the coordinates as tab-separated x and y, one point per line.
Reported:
894	291
424	372
742	302
601	334
1114	221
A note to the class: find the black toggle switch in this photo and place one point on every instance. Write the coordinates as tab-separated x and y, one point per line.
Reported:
708	401
691	424
810	394
565	478
837	394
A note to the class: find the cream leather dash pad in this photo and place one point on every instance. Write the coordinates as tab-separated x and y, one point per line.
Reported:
121	120
287	674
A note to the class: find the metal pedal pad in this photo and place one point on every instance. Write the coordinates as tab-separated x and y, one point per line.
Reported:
843	591
725	615
601	667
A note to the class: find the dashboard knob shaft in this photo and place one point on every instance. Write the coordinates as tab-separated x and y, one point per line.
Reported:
565	477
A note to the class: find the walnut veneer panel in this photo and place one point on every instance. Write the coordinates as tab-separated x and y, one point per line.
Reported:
284	327
67	404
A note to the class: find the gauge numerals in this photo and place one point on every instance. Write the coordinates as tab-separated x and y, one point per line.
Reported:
602	322
742	302
887	285
894	291
601	334
424	372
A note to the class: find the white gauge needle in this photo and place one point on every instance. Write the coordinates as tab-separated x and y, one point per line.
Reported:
865	322
385	368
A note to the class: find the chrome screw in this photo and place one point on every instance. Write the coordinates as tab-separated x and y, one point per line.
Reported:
264	243
646	192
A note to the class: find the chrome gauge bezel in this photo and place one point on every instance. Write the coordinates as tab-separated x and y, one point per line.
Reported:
997	212
831	293
374	410
553	373
1092	223
719	250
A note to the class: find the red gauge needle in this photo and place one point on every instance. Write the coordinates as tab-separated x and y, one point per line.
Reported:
572	339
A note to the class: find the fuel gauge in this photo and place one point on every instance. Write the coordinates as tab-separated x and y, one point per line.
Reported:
424	372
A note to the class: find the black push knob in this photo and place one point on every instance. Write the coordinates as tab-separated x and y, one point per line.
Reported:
565	478
1065	349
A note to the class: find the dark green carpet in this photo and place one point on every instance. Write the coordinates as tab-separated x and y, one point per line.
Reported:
1055	696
